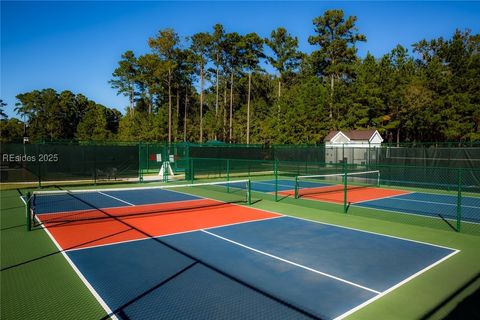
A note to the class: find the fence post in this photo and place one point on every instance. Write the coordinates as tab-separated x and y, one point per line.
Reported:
275	172
228	174
27	211
39	168
345	207
459	200
192	172
140	159
94	163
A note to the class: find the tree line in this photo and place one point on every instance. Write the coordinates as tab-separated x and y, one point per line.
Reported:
215	86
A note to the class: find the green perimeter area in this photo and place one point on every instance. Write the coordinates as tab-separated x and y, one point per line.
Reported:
38	283
36	280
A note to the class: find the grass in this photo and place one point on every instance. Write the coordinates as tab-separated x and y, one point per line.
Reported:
38	283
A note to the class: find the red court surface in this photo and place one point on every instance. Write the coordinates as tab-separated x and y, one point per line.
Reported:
124	225
335	194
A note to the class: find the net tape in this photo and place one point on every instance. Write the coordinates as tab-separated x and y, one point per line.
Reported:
308	184
80	204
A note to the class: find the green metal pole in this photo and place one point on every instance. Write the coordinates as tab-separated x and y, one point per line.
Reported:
345	186
249	192
296	187
147	158
459	200
165	162
228	174
27	212
94	164
192	171
140	159
275	170
39	168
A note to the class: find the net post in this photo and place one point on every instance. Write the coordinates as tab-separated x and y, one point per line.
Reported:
27	211
459	200
296	187
345	171
378	179
249	192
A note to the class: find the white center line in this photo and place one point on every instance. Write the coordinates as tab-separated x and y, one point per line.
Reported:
291	262
118	199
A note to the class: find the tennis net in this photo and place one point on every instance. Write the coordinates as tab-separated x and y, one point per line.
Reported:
334	183
64	206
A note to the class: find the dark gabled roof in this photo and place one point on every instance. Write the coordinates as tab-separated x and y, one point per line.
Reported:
360	134
330	135
353	134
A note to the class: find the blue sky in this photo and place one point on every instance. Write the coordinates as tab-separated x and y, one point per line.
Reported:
76	45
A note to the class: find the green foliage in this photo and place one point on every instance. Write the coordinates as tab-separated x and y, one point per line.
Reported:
11	130
3	115
98	123
336	38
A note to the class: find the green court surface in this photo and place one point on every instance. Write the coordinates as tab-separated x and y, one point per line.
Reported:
38	283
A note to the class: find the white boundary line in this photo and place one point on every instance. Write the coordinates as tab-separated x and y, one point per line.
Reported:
291	262
371	232
381	198
118	199
171	234
395	286
455	251
434	202
82	277
411	213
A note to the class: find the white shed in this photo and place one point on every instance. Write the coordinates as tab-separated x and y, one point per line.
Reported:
354	146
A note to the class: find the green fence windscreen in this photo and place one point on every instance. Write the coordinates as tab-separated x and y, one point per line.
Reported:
67	162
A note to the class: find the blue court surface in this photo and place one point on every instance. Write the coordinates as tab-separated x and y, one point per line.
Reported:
64	202
283	185
431	205
280	268
426	204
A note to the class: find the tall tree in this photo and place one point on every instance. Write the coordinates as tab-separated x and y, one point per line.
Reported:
286	57
216	50
149	80
165	45
3	115
336	37
96	124
251	52
125	77
200	44
232	63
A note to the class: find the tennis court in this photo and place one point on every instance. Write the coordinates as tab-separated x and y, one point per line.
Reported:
363	190
171	253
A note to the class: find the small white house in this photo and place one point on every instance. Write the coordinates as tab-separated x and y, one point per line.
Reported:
356	146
